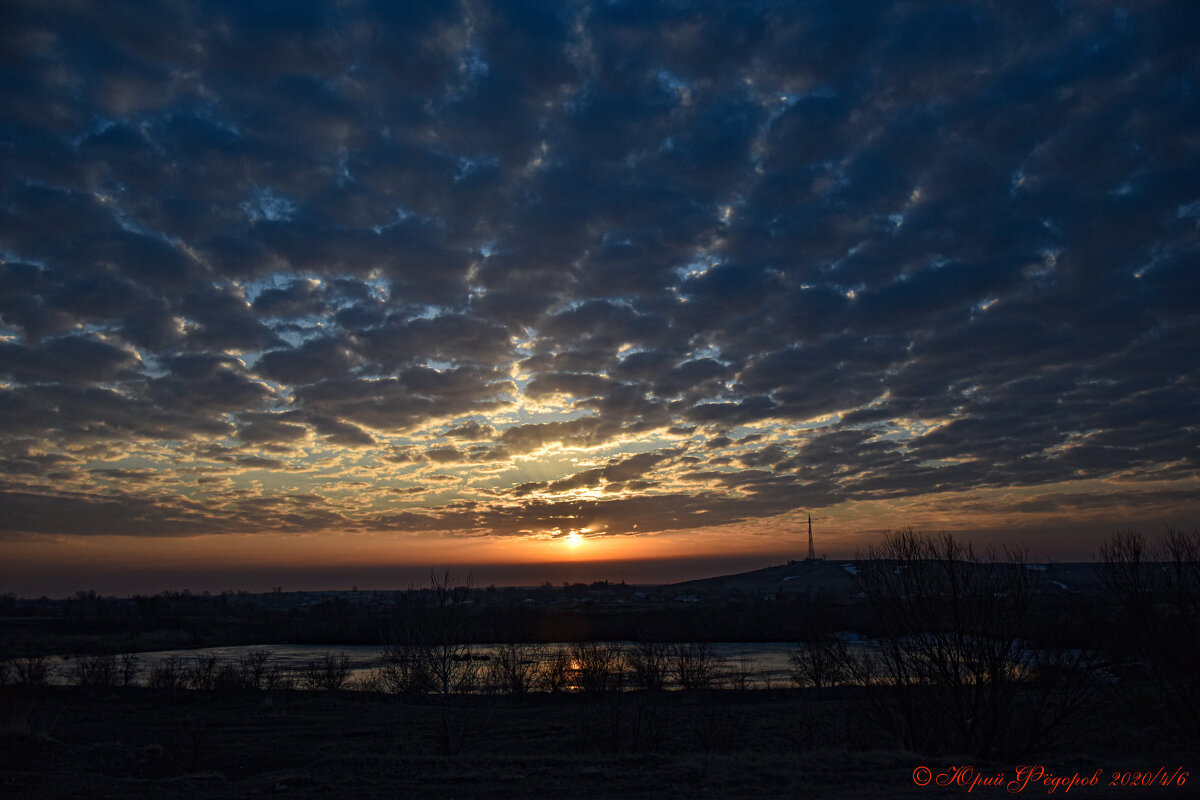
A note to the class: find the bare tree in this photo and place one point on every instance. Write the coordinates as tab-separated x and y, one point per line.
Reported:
514	667
95	671
131	667
169	673
441	635
437	651
952	671
255	663
599	667
32	670
275	677
695	664
650	663
328	673
819	664
1157	593
403	669
555	673
203	673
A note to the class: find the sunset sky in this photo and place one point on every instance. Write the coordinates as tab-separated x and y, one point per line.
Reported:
322	294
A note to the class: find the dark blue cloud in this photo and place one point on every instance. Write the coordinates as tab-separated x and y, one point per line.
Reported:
961	236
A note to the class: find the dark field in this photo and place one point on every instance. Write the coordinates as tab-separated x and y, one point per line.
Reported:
145	743
975	663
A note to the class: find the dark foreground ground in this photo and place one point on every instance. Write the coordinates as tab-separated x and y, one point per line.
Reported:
145	743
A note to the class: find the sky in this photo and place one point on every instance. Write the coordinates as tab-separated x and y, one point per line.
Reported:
320	294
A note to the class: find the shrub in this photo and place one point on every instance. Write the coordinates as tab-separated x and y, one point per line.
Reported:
599	667
819	664
230	676
203	674
32	670
513	668
329	673
696	666
95	672
650	662
403	670
554	676
255	664
169	673
275	677
739	675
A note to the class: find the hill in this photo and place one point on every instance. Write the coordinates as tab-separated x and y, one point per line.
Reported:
836	578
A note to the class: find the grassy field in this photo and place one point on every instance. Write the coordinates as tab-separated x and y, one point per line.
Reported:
782	743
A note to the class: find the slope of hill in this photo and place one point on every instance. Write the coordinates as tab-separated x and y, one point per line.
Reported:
836	578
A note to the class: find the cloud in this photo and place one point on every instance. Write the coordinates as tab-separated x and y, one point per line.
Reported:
702	263
74	360
471	430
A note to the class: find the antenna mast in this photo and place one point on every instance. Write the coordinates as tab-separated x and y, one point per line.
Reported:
812	554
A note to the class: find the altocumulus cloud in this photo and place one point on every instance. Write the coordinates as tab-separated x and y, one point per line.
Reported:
287	266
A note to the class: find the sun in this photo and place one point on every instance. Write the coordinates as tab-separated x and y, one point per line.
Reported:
574	540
